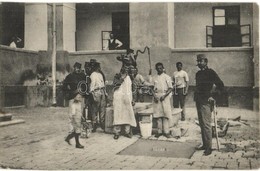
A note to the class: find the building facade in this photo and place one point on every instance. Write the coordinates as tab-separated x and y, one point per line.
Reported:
228	33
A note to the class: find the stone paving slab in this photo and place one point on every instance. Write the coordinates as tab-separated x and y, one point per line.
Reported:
11	122
39	144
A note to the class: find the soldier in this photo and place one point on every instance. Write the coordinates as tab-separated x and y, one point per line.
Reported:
72	88
205	78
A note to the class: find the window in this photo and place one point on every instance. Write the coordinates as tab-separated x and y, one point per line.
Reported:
105	38
226	27
12	23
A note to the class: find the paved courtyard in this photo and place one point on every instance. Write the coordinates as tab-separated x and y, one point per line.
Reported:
39	144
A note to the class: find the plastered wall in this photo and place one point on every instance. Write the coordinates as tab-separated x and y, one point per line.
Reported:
148	24
191	20
36	27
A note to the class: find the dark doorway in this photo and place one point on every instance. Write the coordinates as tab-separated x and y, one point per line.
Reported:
12	23
120	27
226	27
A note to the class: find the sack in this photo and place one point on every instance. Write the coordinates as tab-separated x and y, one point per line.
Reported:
97	95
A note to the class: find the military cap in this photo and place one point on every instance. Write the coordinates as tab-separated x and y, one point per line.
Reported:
93	61
201	57
129	51
78	65
87	64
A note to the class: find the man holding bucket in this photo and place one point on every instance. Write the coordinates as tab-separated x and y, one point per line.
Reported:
161	102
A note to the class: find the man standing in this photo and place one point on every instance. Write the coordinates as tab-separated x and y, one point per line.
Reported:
181	85
72	89
71	84
123	104
98	101
161	103
113	43
205	78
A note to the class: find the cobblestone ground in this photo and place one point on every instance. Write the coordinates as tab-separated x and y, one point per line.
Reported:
39	144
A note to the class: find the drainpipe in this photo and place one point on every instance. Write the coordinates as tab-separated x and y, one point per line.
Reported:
54	55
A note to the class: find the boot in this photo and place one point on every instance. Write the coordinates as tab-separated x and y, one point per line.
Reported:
182	117
70	136
78	145
94	126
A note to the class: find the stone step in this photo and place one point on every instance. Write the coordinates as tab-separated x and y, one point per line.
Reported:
12	122
5	117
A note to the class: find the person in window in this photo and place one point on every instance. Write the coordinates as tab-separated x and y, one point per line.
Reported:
15	40
205	79
181	85
113	43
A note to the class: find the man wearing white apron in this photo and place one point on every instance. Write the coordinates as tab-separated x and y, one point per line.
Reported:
161	103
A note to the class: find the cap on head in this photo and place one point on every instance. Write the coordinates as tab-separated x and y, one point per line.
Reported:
78	65
201	57
129	51
87	64
93	61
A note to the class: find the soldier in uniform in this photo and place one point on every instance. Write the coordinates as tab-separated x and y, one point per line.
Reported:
72	87
205	78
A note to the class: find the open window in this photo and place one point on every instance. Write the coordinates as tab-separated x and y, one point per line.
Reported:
226	30
12	23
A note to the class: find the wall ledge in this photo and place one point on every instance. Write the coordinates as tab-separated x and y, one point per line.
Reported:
97	52
3	47
216	49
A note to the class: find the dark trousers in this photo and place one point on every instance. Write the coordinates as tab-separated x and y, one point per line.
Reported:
204	116
179	100
138	96
98	111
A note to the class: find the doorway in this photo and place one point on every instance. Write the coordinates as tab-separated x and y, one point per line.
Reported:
120	27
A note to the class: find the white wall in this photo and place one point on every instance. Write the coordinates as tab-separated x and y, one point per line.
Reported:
69	27
92	19
35	27
191	20
148	25
89	27
171	25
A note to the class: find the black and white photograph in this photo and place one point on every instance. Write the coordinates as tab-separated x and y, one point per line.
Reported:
129	85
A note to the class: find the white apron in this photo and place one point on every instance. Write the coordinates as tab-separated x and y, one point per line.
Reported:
122	103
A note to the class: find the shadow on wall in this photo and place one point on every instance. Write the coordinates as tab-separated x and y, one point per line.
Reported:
43	75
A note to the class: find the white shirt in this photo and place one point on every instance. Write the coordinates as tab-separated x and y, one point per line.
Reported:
97	81
162	83
180	78
13	45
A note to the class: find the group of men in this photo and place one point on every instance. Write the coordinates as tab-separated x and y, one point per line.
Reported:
203	96
87	89
162	87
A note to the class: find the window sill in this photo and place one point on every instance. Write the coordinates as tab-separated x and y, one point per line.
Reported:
212	49
3	47
97	52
